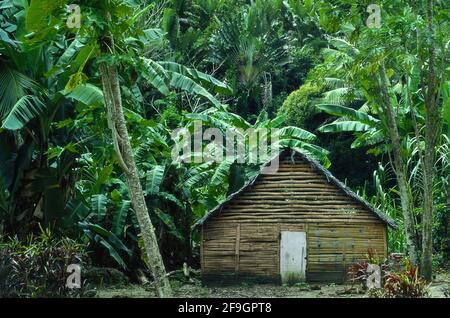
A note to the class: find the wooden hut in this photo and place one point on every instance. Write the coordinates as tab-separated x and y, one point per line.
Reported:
298	224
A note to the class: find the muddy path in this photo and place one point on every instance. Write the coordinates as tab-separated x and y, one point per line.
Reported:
438	289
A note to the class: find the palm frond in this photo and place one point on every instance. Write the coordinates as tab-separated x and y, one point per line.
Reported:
25	109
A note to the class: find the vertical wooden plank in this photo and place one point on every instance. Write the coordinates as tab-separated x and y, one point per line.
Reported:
308	250
385	240
202	243
278	247
344	258
237	247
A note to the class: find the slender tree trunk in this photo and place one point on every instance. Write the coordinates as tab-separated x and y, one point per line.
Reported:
124	150
400	170
432	124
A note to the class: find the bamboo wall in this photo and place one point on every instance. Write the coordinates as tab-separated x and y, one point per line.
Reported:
242	241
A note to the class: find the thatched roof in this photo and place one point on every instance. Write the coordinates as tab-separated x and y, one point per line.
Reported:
321	169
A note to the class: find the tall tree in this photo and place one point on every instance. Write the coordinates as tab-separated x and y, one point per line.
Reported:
116	121
398	77
109	25
433	111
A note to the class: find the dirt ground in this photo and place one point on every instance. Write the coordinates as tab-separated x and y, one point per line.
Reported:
438	289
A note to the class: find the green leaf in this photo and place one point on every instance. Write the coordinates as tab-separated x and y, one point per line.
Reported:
221	173
13	86
38	12
369	138
169	197
70	52
120	218
26	108
344	126
340	111
107	239
112	251
205	79
184	83
297	133
169	222
446	105
278	121
87	94
155	75
98	206
313	151
154	179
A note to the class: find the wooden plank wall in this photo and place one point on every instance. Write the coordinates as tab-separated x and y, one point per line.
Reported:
243	239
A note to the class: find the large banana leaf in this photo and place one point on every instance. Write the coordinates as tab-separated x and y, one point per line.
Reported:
98	206
154	179
211	120
120	218
155	75
345	126
369	138
38	12
184	83
221	173
107	239
87	94
296	133
314	151
338	110
169	222
163	75
278	121
206	80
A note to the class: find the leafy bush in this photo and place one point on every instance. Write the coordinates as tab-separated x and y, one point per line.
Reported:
405	284
396	282
298	106
38	266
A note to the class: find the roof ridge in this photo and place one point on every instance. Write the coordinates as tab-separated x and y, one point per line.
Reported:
331	179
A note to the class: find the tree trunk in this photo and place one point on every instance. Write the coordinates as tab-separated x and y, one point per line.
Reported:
432	124
400	170
116	121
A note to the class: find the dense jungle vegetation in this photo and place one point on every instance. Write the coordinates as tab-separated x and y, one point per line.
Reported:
89	101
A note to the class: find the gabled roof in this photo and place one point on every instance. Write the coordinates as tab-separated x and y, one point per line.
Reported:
321	169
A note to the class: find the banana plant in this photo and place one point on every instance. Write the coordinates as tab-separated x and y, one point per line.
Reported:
29	105
210	182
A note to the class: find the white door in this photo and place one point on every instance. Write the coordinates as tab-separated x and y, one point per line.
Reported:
293	257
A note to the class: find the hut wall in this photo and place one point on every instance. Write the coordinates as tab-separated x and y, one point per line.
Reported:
243	240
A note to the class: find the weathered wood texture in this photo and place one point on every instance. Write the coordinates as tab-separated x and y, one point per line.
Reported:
243	240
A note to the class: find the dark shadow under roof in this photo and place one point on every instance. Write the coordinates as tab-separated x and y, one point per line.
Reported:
321	169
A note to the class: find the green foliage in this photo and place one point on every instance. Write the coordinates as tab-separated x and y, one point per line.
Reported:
405	284
299	105
37	267
107	239
231	65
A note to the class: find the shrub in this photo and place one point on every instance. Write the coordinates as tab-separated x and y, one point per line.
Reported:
298	106
38	266
405	284
397	282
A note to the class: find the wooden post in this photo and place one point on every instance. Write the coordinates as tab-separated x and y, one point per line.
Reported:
237	247
202	243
